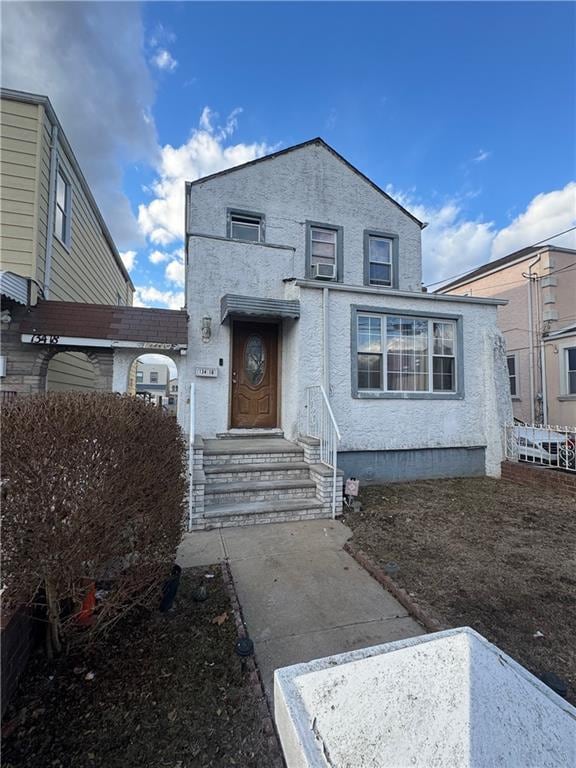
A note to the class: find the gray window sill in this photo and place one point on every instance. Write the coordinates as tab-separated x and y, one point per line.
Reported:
516	398
567	397
367	395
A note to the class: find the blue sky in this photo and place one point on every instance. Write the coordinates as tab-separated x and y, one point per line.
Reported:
464	111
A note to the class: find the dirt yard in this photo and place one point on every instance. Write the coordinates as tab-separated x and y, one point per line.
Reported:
166	690
489	554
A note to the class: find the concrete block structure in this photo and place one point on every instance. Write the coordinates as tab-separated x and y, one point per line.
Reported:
445	699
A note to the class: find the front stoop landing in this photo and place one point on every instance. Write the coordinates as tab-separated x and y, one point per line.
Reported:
259	479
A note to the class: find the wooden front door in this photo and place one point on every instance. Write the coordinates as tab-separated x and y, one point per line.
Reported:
254	375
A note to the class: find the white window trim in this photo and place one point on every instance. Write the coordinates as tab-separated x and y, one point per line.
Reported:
565	388
390	262
516	358
68	210
257	220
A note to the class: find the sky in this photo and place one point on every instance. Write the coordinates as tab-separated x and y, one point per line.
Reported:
464	111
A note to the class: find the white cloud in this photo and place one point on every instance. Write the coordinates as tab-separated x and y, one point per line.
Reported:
206	151
149	296
453	243
157	257
164	60
174	272
128	259
481	155
89	59
546	214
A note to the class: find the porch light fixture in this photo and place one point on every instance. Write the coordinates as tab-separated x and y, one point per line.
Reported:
206	328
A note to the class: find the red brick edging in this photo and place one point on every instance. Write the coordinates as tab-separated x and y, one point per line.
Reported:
253	672
539	477
429	622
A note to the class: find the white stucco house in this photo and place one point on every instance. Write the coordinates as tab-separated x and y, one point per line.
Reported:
302	273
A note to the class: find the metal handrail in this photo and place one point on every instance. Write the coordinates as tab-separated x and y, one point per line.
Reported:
321	424
191	436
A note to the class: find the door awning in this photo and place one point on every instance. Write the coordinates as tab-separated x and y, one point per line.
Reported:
253	306
14	287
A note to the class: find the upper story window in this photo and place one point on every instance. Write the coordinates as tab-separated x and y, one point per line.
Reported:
244	225
139	377
380	259
570	370
397	355
512	375
174	387
63	205
153	377
323	251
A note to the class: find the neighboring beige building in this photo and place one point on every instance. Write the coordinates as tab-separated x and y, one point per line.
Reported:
153	379
541	344
54	243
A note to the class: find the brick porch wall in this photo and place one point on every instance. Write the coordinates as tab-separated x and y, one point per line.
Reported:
539	477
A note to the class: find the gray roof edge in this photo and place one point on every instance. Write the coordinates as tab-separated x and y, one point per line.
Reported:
523	254
317	140
33	98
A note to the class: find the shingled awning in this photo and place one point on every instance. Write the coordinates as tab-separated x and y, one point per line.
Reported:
103	325
254	306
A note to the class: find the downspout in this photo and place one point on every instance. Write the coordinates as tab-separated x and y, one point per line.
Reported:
325	342
544	383
51	206
531	339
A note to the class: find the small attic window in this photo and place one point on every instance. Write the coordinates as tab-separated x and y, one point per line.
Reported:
243	225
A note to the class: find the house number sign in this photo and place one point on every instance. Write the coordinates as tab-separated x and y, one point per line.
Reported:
209	373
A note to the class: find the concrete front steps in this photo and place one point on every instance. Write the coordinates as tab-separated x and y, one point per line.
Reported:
245	480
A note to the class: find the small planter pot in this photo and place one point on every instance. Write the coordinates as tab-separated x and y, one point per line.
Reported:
170	589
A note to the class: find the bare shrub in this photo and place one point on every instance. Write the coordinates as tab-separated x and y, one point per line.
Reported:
93	493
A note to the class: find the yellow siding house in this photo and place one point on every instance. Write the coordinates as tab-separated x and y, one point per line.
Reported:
54	243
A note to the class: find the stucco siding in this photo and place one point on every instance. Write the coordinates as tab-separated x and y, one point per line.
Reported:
309	184
402	424
19	142
217	267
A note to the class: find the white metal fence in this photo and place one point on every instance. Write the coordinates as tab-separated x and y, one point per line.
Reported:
547	445
321	424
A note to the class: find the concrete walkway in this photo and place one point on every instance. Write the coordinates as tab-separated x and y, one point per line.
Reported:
302	596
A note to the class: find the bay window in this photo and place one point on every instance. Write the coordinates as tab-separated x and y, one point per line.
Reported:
399	354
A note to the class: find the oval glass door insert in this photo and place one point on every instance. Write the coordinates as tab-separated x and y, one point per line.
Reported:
254	360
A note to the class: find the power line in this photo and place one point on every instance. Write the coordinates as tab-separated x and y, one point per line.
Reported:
461	274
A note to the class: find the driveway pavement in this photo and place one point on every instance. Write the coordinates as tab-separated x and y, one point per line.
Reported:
302	596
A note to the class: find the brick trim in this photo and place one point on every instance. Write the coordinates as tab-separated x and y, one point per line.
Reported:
255	678
426	619
539	477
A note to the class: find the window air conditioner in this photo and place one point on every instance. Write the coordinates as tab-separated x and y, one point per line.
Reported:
324	271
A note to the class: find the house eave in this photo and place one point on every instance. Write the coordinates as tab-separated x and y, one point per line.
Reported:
418	296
